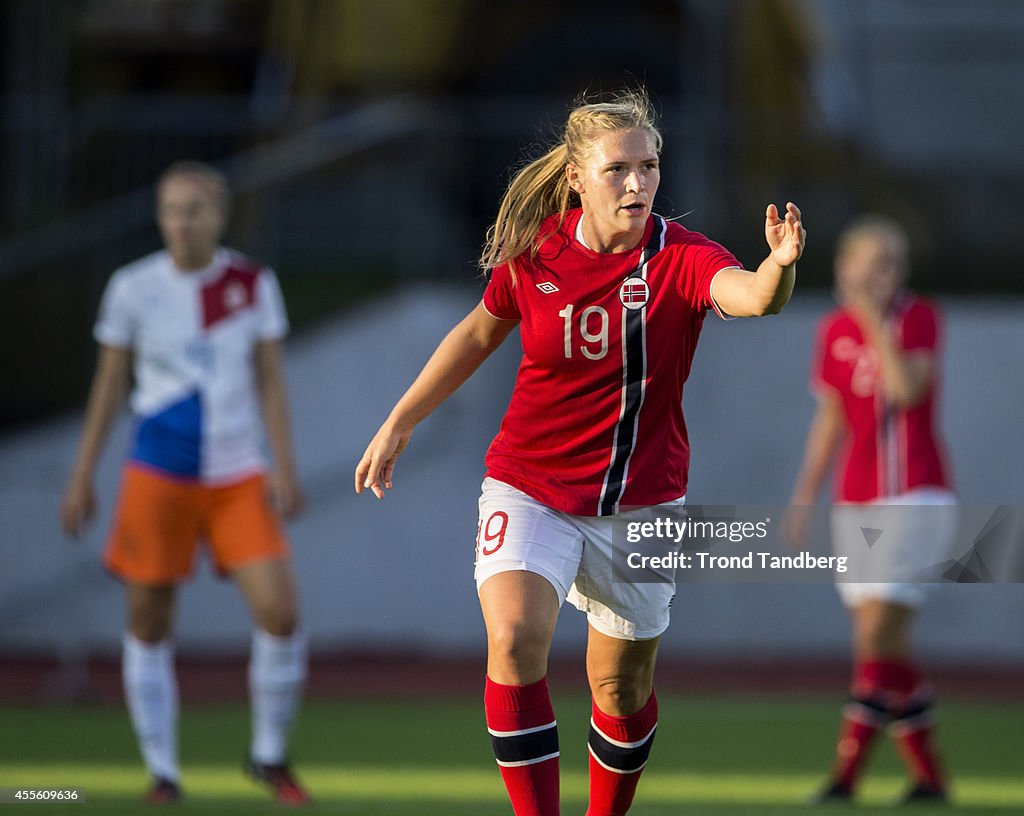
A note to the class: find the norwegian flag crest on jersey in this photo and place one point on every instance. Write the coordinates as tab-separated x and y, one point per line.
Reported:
634	293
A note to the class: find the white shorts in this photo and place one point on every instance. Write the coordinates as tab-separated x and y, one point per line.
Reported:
891	543
575	555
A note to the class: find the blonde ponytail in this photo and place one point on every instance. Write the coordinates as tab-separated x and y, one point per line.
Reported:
538	190
541	188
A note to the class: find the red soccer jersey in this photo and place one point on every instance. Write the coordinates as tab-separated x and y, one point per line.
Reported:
595	422
888	450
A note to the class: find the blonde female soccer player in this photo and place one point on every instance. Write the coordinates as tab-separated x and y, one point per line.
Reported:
875	374
609	299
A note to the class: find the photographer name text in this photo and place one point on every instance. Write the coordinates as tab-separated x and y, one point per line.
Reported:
751	561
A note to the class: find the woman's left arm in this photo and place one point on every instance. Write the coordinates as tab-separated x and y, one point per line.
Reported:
741	293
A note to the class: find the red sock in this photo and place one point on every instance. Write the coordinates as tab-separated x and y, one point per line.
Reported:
864	716
619	747
913	729
525	740
897	678
920	756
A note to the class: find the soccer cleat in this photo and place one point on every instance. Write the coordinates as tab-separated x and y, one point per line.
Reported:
835	793
924	794
162	792
279	778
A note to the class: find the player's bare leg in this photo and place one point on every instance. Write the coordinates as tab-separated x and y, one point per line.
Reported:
277	673
881	630
624	716
621	672
150	686
520	610
269	590
150	611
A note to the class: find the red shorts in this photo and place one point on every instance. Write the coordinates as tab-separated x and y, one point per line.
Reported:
160	520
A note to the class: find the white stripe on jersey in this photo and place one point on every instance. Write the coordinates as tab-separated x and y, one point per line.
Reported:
622	415
642	273
643	379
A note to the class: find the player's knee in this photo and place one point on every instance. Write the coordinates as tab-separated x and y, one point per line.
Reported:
621	695
149	617
149	626
877	641
517	645
276	617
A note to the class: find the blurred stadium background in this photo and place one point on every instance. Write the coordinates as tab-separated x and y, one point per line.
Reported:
368	142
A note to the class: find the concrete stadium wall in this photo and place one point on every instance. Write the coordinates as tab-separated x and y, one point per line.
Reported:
397	574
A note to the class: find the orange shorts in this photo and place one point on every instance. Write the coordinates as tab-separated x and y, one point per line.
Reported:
160	520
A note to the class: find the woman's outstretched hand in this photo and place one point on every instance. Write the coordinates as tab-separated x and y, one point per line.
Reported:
786	235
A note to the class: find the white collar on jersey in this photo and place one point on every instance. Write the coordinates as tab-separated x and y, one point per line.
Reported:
579	233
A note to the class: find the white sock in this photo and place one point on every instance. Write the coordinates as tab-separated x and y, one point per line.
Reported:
277	673
151	689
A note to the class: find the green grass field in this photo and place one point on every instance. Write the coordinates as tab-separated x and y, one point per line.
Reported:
714	756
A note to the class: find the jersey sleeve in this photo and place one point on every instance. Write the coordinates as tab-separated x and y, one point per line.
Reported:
272	319
922	328
499	296
116	321
701	260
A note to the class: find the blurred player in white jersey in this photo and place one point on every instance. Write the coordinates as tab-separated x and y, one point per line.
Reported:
200	327
875	376
609	299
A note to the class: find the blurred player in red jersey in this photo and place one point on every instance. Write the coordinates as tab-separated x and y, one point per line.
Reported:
609	299
201	328
875	374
